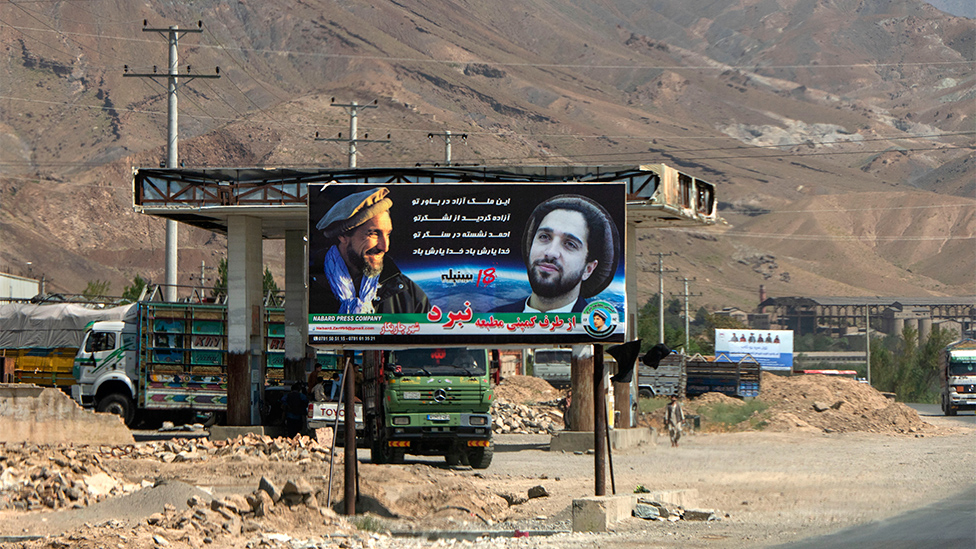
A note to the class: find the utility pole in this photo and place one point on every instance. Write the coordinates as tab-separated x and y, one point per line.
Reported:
353	110
446	135
867	339
660	293
173	34
687	322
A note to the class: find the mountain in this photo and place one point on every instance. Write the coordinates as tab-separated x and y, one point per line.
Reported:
839	133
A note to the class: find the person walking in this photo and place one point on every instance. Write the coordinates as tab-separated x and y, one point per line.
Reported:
674	418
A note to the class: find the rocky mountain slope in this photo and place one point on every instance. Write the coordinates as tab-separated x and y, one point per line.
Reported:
839	133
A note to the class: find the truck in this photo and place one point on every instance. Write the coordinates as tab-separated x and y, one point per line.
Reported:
957	365
169	358
431	402
39	341
667	379
721	374
553	365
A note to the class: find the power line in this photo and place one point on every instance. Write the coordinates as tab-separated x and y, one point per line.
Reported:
716	66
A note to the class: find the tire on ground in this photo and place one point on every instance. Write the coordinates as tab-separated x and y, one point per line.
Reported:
118	404
480	457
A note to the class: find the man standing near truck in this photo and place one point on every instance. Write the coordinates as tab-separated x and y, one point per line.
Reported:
356	276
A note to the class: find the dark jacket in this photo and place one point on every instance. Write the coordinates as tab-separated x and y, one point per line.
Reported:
519	306
396	294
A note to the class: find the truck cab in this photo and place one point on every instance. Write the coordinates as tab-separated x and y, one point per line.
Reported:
958	365
428	402
104	368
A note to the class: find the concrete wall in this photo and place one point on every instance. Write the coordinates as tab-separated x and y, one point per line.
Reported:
44	415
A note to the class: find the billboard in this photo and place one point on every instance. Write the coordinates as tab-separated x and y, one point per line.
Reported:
489	264
773	349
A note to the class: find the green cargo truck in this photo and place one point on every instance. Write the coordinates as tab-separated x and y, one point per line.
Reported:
165	357
432	402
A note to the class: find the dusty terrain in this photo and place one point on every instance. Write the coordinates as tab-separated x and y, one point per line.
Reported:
803	475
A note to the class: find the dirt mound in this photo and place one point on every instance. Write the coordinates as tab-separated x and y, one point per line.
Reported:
526	390
834	404
810	403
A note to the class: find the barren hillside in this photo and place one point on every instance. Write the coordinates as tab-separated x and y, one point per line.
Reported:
839	134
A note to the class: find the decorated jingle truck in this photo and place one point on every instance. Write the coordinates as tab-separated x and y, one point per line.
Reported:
958	376
432	402
167	358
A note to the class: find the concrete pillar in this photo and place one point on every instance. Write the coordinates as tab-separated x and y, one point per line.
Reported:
581	380
296	306
924	329
625	394
913	322
899	325
245	321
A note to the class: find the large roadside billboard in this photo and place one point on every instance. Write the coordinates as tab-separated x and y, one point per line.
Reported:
773	349
466	264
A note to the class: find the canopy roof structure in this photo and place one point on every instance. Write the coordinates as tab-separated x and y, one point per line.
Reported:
657	195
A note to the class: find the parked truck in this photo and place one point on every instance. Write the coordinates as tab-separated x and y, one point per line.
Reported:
39	341
432	402
165	357
720	374
553	365
957	364
667	379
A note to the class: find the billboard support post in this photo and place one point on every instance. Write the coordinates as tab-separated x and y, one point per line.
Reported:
599	422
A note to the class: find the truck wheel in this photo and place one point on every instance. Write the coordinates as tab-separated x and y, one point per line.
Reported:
480	457
645	393
119	405
377	452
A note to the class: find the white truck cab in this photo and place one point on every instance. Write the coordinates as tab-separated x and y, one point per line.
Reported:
105	368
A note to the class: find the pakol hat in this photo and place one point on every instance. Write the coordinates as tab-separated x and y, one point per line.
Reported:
354	210
603	242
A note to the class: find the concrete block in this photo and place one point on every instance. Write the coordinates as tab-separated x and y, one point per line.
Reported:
227	432
582	441
599	513
44	415
683	498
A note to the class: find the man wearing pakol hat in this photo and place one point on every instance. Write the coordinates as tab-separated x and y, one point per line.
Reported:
571	250
356	276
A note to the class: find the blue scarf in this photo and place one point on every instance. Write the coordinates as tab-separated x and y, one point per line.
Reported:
342	286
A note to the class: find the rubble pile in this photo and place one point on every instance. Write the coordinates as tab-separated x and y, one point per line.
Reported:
511	418
38	477
649	509
255	517
181	449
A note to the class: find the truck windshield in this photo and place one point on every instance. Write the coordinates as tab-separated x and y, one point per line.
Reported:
100	341
962	368
455	362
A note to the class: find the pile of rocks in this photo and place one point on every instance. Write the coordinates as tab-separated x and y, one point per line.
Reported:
237	520
649	509
511	418
37	477
197	449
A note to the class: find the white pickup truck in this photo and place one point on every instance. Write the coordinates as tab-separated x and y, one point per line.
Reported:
323	414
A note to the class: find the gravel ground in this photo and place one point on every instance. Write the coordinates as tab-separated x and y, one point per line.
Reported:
768	488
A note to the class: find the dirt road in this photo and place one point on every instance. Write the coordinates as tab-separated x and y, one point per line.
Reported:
768	488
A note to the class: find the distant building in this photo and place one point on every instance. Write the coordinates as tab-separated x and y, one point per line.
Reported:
842	315
17	287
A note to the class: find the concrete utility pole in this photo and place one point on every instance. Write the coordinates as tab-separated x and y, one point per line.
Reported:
353	139
660	293
446	135
173	34
687	322
867	339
